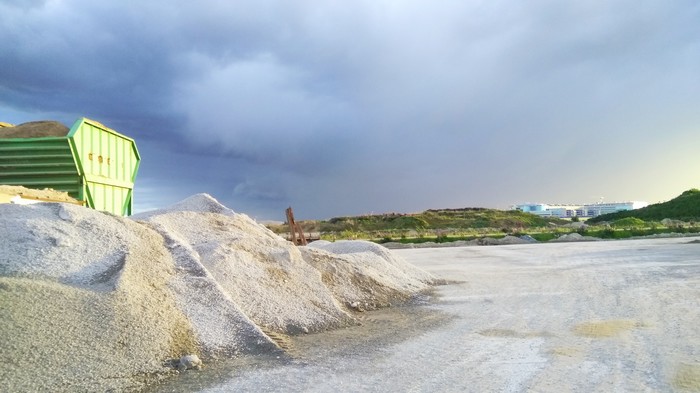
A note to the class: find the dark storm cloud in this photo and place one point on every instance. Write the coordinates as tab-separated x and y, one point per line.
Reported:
342	108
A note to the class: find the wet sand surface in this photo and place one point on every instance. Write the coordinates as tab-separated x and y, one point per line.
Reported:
620	316
379	329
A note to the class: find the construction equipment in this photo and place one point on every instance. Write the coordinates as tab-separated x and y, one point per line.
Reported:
92	163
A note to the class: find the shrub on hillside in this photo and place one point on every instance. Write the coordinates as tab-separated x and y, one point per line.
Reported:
629	222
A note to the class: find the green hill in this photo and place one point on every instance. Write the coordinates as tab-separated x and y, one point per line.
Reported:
445	225
465	218
685	207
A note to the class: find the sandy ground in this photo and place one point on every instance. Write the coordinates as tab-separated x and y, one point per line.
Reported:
618	316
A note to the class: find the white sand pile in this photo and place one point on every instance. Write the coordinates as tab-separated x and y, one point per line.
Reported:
259	271
365	275
84	303
90	301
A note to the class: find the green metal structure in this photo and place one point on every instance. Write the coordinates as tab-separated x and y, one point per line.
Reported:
92	163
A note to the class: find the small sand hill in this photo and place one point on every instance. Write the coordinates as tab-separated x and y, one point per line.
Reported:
259	271
90	301
364	275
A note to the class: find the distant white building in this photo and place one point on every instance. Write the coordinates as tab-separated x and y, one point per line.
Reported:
586	211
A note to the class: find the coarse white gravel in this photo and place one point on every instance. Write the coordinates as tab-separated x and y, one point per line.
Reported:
90	301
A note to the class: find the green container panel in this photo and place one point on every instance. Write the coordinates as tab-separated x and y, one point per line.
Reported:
104	152
92	163
39	163
117	200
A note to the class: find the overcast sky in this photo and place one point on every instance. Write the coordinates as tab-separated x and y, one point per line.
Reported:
352	107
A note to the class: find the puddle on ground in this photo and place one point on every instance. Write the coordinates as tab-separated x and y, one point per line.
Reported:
688	377
610	328
378	329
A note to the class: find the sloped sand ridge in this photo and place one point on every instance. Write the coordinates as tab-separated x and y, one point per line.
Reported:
260	272
351	271
80	307
91	301
282	288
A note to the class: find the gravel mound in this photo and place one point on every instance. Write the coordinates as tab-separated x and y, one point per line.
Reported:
487	241
95	302
369	253
529	239
84	300
364	275
259	271
35	129
575	237
484	241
